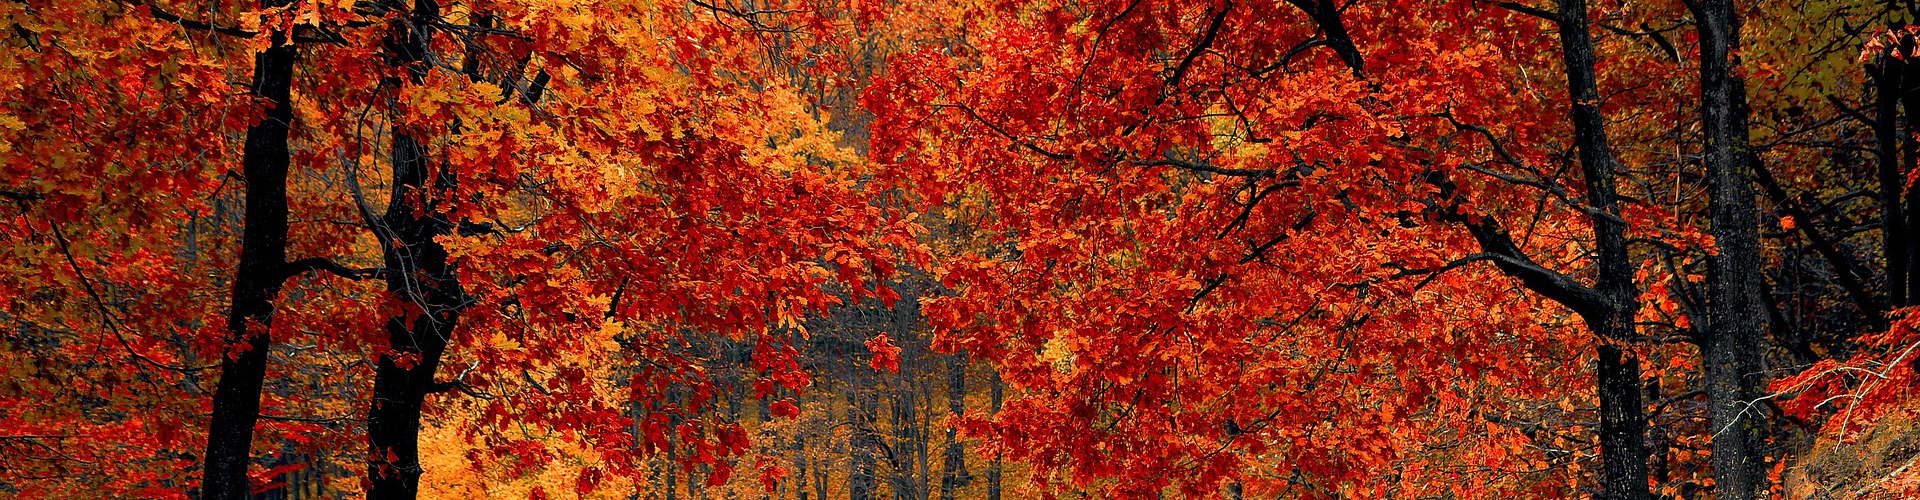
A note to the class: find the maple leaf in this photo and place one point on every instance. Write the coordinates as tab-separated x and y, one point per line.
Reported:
886	356
785	408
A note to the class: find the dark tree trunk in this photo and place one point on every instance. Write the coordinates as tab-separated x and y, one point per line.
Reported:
420	276
673	457
861	444
733	387
954	474
821	472
799	485
637	410
1735	337
1889	84
922	446
693	481
1609	305
1326	15
906	439
821	475
1623	426
424	279
996	392
1658	443
261	271
766	404
1623	448
1909	160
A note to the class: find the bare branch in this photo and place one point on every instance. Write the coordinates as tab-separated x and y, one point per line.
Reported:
1529	10
1003	133
1202	167
170	17
21	195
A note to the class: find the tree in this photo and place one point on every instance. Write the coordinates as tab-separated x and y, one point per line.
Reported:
1170	181
1138	240
520	246
164	134
1735	343
746	230
261	271
1308	249
1610	304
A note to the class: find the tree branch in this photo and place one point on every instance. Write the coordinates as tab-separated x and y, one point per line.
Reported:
1434	273
1202	167
295	268
459	383
1529	10
170	17
1847	276
1206	40
1498	245
1003	133
106	315
21	195
1850	111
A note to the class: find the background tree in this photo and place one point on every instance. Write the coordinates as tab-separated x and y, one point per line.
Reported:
729	249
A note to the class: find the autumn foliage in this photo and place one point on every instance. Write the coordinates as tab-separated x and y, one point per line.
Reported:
861	249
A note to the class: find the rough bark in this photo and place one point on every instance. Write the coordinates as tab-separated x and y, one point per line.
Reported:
1622	426
1735	336
1889	84
1609	305
425	280
420	277
257	279
1623	448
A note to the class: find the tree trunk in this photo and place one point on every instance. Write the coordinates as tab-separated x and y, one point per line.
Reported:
954	468
821	475
822	471
693	482
1610	304
416	339
420	276
1623	448
636	410
861	444
906	439
799	484
1909	160
673	457
1623	426
261	271
1735	337
993	470
1889	84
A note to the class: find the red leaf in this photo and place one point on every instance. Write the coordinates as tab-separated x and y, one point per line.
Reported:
885	355
785	408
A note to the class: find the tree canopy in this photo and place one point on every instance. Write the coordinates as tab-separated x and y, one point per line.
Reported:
1124	249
